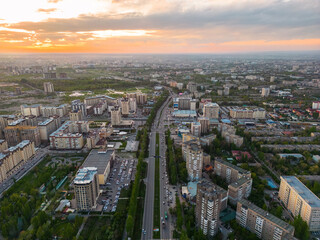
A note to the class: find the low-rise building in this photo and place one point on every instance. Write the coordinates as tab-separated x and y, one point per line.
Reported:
265	225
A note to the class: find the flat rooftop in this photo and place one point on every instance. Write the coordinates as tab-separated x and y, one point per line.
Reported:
239	169
45	122
303	191
99	159
266	215
85	175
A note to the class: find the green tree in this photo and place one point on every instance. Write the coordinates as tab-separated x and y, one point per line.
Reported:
301	229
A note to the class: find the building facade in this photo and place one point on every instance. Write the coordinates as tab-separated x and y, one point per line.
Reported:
48	87
16	134
265	225
211	110
300	201
115	116
193	154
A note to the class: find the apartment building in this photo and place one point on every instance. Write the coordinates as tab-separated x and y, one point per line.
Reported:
125	106
265	225
115	116
16	134
48	87
239	189
27	110
3	145
196	129
4	121
228	132
133	104
192	87
75	115
245	113
265	92
231	173
69	135
211	110
299	200
210	201
142	98
86	188
180	86
77	105
14	157
48	126
193	154
48	111
205	125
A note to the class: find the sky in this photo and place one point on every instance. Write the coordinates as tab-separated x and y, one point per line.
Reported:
159	26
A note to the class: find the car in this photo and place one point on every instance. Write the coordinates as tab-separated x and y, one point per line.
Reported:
163	203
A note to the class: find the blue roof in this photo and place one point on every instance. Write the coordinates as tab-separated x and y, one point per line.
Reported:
44	123
225	120
192	188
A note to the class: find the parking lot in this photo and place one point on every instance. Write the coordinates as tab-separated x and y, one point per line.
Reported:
121	174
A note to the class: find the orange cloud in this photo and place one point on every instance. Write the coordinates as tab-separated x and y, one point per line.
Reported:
46	10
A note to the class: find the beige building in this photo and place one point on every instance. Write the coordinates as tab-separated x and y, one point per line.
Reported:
193	154
75	115
205	125
192	87
240	189
47	111
69	135
265	225
48	87
102	160
229	133
299	200
211	200
265	92
211	110
48	126
231	173
133	104
125	106
245	113
3	145
180	86
196	129
14	157
27	110
16	134
142	98
115	116
86	188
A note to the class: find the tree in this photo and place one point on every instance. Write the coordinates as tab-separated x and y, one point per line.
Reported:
301	229
129	226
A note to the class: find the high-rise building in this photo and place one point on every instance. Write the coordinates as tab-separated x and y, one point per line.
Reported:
48	126
77	105
211	200
192	87
265	225
75	115
193	154
115	116
196	129
125	106
226	91
180	86
16	134
239	189
211	110
184	103
34	110
133	104
205	124
193	104
86	188
316	105
300	201
265	92
272	78
48	87
48	111
142	98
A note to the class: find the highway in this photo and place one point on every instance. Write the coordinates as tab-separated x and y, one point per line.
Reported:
24	169
147	224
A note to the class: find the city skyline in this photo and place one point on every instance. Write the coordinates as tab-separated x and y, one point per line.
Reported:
133	26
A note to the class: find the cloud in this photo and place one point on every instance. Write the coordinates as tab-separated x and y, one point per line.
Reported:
47	10
54	1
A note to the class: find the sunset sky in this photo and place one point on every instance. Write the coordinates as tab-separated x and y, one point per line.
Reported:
159	26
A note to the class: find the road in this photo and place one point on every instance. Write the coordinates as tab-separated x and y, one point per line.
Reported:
147	224
24	169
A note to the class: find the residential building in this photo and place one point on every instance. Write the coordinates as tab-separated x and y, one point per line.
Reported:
27	110
193	104
75	115
48	87
115	116
3	145
210	201
196	129
193	154
125	106
245	113
77	105
14	157
239	189
142	98
180	86
300	201
211	110
133	105
48	111
265	225
16	134
86	188
192	87
184	103
102	160
229	133
69	135
316	105
265	92
48	126
226	91
231	173
205	124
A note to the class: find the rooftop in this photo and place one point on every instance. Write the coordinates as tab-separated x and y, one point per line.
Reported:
302	190
99	159
85	175
266	215
46	122
16	122
240	182
239	169
19	145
